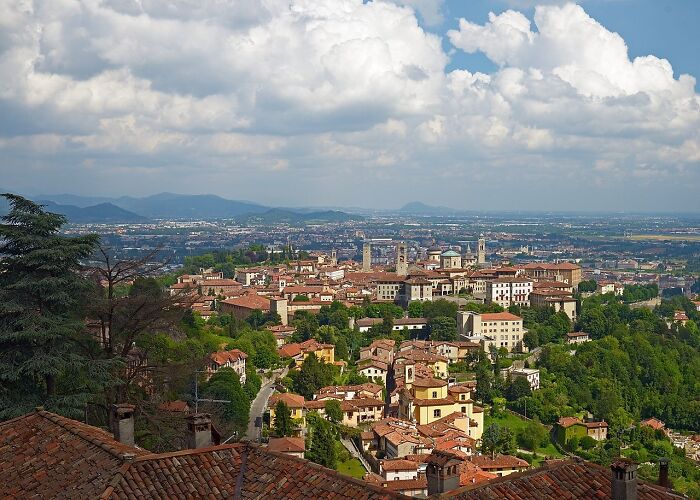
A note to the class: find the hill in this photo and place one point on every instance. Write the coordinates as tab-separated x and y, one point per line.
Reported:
100	213
181	206
419	208
276	215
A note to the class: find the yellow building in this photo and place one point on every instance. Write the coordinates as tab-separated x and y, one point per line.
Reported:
295	403
299	352
428	400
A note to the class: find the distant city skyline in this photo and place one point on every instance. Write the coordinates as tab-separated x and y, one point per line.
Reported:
499	105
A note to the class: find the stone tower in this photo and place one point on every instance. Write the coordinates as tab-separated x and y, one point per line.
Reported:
481	250
367	257
401	259
334	258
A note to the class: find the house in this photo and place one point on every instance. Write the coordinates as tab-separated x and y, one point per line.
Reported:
509	291
364	324
367	390
281	333
381	349
296	405
45	455
577	337
567	272
373	369
493	329
398	469
654	423
569	427
243	306
532	375
428	400
557	299
234	359
292	446
299	352
501	465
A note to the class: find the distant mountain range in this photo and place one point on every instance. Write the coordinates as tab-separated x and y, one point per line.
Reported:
419	208
100	213
91	209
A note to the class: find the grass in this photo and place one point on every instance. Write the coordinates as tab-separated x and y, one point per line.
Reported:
664	237
352	468
515	424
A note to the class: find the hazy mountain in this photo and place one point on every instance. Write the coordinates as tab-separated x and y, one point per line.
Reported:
418	208
101	213
181	206
74	199
277	215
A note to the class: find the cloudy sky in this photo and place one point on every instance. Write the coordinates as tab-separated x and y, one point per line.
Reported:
475	104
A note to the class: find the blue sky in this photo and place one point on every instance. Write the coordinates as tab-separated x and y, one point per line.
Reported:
666	28
549	106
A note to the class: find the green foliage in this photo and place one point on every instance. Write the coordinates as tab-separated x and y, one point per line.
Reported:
415	309
282	424
636	293
440	307
259	345
483	308
320	442
588	286
533	436
517	388
226	261
497	439
225	384
301	298
45	356
313	375
333	411
253	382
443	328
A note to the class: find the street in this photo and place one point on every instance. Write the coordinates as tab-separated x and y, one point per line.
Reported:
257	407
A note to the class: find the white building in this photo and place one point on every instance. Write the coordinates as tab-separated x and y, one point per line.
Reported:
509	291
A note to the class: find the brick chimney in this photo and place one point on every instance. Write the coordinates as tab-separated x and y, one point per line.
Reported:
122	423
443	472
624	479
663	472
199	432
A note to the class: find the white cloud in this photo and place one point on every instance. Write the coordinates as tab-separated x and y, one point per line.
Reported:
312	91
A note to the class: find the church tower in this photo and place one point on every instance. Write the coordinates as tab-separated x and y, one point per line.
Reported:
367	257
401	259
481	250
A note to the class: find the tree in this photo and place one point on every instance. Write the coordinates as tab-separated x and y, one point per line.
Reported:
518	388
46	357
283	425
334	412
226	385
440	307
531	339
532	436
587	286
313	375
497	439
320	444
415	309
484	379
443	328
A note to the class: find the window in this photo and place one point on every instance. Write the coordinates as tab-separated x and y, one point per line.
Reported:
434	394
436	413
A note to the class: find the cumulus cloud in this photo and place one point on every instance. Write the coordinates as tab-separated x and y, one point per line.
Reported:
225	93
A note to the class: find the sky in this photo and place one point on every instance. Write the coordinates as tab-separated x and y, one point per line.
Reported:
470	104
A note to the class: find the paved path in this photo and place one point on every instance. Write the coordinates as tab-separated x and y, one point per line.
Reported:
259	404
350	446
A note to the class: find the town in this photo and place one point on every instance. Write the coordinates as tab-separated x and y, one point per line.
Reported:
421	365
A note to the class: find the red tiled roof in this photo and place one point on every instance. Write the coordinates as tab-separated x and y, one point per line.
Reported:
565	479
287	445
502	316
44	455
398	464
251	301
221	357
291	400
486	462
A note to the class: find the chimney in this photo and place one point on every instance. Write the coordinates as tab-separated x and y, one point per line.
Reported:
122	422
624	479
663	472
442	472
199	433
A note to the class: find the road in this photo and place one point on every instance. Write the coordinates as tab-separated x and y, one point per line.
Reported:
259	404
350	446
